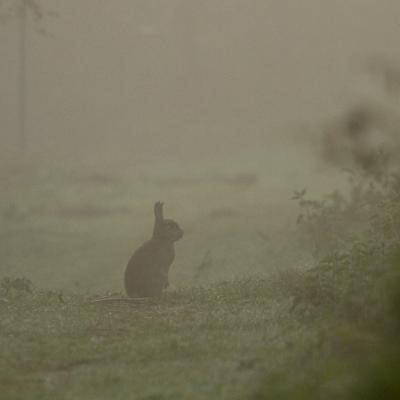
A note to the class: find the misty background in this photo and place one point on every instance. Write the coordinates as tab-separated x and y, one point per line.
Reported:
270	131
221	109
142	82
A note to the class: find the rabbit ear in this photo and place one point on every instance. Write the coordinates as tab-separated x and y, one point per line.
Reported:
158	211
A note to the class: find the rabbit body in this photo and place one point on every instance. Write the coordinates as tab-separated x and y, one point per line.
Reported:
146	274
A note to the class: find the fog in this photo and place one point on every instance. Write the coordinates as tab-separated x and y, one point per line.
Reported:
199	199
145	80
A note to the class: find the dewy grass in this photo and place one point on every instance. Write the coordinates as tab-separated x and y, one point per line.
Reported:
195	343
251	314
200	346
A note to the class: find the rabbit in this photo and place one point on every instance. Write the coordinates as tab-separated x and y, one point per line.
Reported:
146	274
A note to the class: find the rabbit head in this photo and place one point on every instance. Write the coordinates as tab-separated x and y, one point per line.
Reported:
165	229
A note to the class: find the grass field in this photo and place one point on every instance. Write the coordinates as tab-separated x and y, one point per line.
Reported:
224	342
230	327
212	343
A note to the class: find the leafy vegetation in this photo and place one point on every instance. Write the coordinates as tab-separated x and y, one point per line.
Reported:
354	288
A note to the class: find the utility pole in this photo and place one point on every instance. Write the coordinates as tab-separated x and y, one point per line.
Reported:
22	11
22	75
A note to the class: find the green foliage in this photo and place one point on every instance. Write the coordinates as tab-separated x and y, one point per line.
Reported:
333	224
355	241
355	288
382	381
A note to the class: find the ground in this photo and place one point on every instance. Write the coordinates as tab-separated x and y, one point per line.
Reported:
230	327
215	343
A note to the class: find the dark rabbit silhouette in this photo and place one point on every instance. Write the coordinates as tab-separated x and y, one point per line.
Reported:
146	274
